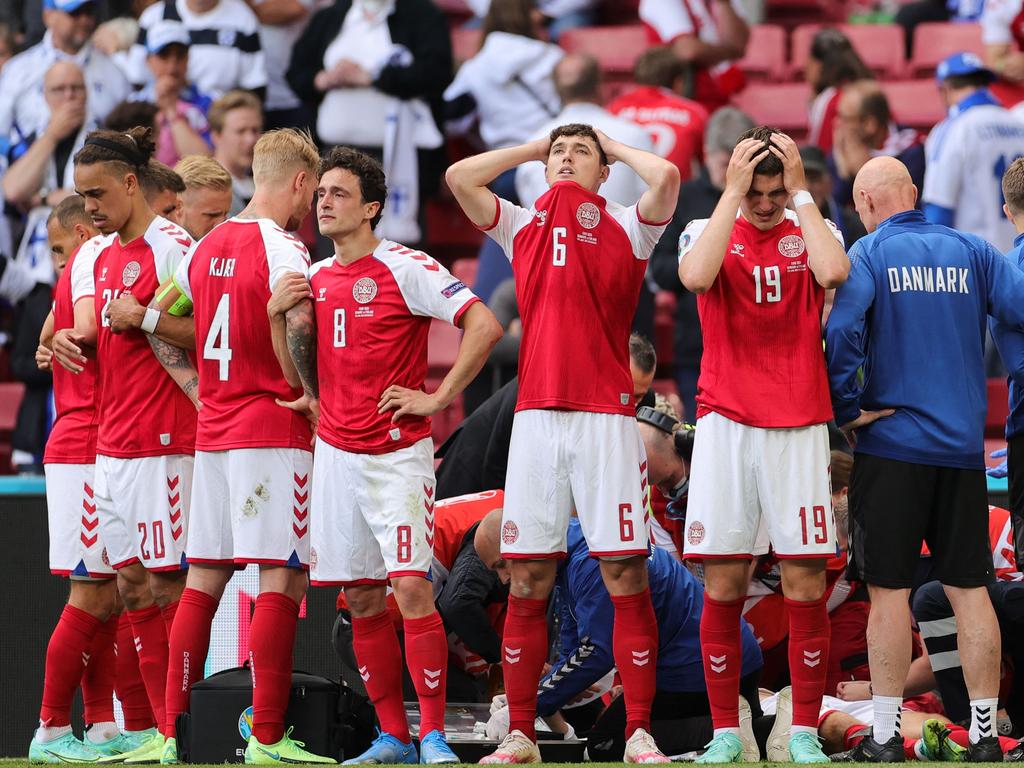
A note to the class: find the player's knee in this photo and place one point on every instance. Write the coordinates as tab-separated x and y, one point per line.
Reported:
133	586
803	581
625	577
166	588
415	596
533	579
365	601
97	598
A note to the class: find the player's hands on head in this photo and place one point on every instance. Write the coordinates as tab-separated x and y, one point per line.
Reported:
289	291
542	148
865	418
745	157
44	358
786	150
608	144
124	313
408	402
67	350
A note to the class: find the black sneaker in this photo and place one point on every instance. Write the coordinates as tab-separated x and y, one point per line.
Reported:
870	751
1015	755
986	750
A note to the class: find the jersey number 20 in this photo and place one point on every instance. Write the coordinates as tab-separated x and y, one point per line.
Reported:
218	343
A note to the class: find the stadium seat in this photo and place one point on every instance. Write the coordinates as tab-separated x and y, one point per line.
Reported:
442	347
935	40
11	393
998	409
766	53
915	103
616	48
879	45
783	105
465	270
465	44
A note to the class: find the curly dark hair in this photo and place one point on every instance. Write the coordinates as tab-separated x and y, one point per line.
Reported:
372	185
770	165
580	129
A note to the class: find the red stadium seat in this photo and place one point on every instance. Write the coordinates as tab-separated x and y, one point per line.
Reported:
998	409
616	48
766	53
879	45
465	270
11	393
465	43
915	103
783	105
934	41
442	347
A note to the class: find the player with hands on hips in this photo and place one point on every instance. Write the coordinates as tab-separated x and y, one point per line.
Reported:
760	466
579	262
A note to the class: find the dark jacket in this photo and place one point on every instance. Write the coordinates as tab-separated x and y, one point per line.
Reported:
34	415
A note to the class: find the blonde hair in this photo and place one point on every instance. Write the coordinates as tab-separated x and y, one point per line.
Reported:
1013	186
284	150
230	101
202	171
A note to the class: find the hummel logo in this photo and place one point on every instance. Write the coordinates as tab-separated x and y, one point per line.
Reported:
512	654
363	673
718	663
812	658
138	644
641	658
432	677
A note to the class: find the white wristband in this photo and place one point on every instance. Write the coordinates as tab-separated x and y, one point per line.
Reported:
149	322
802	197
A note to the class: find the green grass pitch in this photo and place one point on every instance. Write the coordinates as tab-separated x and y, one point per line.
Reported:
7	763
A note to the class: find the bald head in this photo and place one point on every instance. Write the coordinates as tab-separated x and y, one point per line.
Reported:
64	83
487	543
883	188
578	78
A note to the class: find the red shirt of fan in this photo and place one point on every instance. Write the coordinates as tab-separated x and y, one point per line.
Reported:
579	262
763	363
676	125
229	277
142	411
372	320
73	437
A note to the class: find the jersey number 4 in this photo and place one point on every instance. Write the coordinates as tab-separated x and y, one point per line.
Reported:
770	291
218	340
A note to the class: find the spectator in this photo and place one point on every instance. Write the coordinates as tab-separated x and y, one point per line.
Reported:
225	52
162	187
508	89
8	44
129	114
181	123
558	15
968	152
697	199
69	23
281	24
1003	37
207	198
821	187
711	35
911	14
676	125
236	122
369	64
832	62
864	128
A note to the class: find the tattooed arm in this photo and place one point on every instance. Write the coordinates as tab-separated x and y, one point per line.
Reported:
179	367
300	324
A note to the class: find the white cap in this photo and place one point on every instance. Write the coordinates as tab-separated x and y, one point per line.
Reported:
165	32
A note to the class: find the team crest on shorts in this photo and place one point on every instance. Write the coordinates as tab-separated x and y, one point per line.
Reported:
792	246
695	533
104	558
364	290
588	215
312	557
131	273
509	532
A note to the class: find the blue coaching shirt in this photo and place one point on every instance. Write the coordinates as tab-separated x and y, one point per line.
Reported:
586	627
1010	344
907	331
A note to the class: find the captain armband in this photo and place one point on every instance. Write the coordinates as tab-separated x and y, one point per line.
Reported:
180	308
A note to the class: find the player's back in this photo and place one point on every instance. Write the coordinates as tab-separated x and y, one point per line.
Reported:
230	277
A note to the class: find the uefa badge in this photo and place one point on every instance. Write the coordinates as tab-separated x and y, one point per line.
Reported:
131	273
588	215
364	290
792	246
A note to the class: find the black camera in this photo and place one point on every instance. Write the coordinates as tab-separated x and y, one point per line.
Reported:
682	434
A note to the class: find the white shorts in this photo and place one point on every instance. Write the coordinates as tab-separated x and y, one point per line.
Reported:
250	505
372	516
76	545
561	460
751	486
143	505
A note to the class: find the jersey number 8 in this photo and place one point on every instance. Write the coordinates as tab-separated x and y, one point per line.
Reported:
218	343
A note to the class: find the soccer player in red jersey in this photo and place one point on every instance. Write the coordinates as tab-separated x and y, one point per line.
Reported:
579	261
372	516
760	469
146	425
245	440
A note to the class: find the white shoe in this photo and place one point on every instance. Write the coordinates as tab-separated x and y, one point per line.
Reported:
515	749
778	739
751	754
641	749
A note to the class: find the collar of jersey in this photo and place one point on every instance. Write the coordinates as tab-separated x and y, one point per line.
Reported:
979	98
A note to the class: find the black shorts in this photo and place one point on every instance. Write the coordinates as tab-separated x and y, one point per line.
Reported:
894	505
1015	481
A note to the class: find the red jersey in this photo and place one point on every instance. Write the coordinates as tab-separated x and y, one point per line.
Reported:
142	411
73	437
676	124
229	277
822	118
372	319
452	520
579	262
763	363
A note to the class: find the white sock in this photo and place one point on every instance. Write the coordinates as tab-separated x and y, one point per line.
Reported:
97	733
983	718
49	733
887	717
803	729
733	731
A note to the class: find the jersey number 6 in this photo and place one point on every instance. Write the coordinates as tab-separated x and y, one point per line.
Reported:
558	246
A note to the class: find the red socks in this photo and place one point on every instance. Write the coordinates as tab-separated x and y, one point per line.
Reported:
271	639
189	643
150	637
721	653
375	643
66	657
131	691
635	647
426	655
100	672
168	612
524	650
809	633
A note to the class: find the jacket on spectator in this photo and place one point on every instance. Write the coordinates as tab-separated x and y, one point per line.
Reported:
34	415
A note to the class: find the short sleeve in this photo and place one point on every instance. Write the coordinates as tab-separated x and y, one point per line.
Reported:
643	235
690	235
285	253
181	280
668	18
943	166
509	219
169	247
428	288
83	281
